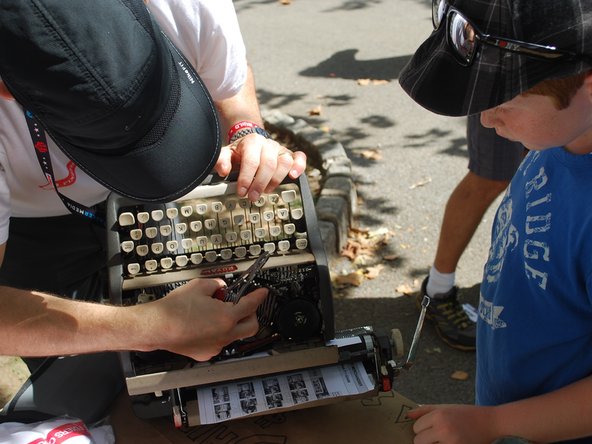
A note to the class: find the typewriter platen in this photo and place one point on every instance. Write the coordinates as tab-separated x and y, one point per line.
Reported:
211	232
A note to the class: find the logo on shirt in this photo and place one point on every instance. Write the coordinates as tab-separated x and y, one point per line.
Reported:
491	314
504	238
41	146
70	179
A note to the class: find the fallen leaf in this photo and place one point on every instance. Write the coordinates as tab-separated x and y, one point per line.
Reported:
372	154
362	259
350	250
356	278
373	272
366	82
355	230
390	257
380	232
286	2
459	375
316	111
421	183
434	350
405	289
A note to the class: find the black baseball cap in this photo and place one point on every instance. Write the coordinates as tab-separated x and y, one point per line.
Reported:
112	91
436	80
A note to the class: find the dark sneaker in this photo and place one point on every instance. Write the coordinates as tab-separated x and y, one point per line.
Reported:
451	322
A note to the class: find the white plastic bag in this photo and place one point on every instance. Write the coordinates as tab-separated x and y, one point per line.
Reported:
55	431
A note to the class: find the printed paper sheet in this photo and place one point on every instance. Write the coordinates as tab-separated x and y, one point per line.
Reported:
231	400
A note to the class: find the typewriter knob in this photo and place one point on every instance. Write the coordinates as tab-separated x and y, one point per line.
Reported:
397	343
298	319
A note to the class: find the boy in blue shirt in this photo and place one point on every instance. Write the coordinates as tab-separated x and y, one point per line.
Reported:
526	67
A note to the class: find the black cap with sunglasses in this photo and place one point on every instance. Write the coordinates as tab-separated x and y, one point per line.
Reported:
483	53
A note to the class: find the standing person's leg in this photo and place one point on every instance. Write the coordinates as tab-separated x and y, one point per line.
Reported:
492	163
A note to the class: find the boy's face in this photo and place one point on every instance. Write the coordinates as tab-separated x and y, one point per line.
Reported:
534	121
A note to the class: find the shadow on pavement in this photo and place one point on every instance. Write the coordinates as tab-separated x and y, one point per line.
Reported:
344	65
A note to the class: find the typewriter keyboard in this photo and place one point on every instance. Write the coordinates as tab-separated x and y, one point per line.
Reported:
196	230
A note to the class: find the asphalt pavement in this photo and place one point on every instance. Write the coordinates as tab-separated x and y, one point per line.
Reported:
334	64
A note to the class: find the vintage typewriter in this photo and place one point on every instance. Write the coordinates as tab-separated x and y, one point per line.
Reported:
211	232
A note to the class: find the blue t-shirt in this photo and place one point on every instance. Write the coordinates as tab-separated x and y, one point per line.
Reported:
535	311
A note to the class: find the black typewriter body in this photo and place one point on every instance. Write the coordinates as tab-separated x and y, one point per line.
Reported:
211	232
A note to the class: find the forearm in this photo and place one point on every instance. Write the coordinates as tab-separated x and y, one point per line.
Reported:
242	106
38	324
188	321
560	415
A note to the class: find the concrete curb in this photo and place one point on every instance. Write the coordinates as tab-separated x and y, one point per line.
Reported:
336	205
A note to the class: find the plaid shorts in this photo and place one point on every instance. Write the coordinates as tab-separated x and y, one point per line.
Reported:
491	156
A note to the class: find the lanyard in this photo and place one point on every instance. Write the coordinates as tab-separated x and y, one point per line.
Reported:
39	140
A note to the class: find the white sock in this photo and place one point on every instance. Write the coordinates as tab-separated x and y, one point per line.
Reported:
439	283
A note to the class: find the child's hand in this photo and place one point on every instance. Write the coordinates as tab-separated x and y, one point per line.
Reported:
452	424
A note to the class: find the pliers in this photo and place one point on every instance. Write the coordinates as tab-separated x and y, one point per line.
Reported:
236	290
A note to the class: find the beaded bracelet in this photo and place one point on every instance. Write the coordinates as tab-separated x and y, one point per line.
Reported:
243	128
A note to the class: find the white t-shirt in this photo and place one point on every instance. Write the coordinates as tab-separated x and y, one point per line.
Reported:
206	31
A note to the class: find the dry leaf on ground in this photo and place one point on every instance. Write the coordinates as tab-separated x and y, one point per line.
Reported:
316	111
459	375
373	272
405	289
366	82
371	154
421	183
408	289
360	249
356	278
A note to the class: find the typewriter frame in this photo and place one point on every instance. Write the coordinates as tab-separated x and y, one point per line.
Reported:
281	358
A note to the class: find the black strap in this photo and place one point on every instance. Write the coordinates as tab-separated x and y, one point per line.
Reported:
40	145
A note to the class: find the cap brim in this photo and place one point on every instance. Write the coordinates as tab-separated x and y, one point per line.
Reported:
184	154
435	80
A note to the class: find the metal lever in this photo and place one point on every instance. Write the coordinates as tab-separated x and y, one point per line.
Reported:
415	341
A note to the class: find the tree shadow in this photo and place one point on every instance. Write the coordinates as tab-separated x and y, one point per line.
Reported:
379	205
436	136
276	100
354	5
344	65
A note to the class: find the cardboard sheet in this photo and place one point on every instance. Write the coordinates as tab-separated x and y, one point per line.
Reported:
377	420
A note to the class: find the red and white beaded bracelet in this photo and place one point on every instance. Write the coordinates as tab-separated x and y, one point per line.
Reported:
244	127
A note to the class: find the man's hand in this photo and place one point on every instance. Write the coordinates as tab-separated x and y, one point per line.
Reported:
199	326
264	163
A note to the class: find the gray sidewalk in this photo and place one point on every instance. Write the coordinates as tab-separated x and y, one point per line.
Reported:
309	57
